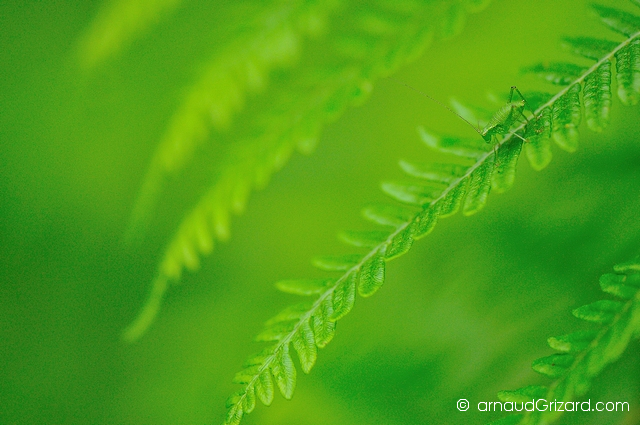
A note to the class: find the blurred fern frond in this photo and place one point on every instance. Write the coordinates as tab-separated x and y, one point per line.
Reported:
117	24
268	92
436	191
583	355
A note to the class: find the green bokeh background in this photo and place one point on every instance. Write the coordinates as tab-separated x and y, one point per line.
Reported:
462	315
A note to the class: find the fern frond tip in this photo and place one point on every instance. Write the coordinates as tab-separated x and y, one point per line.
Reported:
149	311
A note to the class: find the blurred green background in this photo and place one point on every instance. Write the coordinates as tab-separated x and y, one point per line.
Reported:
462	315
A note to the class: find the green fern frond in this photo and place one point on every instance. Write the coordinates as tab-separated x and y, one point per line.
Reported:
242	69
117	24
595	82
362	43
441	190
583	355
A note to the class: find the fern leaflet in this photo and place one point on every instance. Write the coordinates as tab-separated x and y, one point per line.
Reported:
117	24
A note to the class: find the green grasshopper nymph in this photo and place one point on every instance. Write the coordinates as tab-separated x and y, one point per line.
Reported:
502	120
506	117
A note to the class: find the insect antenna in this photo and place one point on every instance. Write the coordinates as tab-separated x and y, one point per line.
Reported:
477	129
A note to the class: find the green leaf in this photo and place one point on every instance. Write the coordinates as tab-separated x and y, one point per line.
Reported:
290	313
540	126
426	221
618	20
504	174
323	327
264	387
453	22
411	193
149	311
234	415
614	342
539	153
434	172
304	286
118	24
553	366
558	73
234	398
259	358
563	391
344	297
465	148
603	311
597	97
249	400
337	262
574	342
523	394
566	118
450	204
628	73
615	284
633	279
276	332
538	149
628	266
401	242
371	276
590	48
478	188
305	345
388	215
246	375
284	372
366	239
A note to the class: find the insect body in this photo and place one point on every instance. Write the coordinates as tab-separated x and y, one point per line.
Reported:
505	118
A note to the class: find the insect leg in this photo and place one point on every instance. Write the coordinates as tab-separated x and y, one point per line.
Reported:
511	93
523	100
526	103
520	137
521	96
